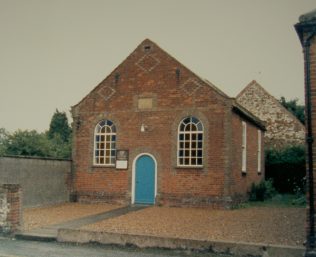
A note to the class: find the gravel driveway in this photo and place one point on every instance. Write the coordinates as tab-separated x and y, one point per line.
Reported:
284	226
45	216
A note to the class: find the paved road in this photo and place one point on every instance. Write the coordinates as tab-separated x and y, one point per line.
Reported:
20	248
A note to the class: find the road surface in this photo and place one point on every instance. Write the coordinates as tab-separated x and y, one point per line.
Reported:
20	248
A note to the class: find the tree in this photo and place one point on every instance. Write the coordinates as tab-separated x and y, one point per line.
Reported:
294	108
3	139
59	126
27	143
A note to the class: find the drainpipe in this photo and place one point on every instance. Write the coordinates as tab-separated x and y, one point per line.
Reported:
309	141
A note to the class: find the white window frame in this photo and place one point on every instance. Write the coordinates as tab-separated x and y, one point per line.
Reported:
104	151
190	142
244	148
259	150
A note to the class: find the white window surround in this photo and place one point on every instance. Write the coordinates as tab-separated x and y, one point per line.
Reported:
244	148
104	152
259	150
190	143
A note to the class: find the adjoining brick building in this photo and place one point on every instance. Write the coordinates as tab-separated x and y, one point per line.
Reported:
283	128
153	132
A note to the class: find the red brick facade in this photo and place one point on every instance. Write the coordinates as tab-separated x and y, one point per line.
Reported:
146	97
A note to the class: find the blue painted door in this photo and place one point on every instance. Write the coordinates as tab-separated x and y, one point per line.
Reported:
145	180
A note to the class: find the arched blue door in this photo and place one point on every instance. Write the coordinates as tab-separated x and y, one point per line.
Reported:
145	180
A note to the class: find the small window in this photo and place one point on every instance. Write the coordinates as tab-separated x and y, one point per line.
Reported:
104	143
190	142
244	148
259	151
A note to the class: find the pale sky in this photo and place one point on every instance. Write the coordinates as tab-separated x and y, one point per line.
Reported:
54	52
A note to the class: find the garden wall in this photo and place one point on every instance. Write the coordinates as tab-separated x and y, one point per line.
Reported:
43	181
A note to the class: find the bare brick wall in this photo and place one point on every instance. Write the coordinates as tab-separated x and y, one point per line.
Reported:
176	93
10	208
241	182
283	128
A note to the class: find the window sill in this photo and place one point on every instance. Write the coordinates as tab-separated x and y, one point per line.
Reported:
103	166
190	167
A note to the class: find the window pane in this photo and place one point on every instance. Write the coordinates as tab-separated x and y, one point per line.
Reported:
199	153
108	138
199	144
187	120
113	160
181	137
102	138
194	120
101	160
113	138
181	161
200	136
199	126
113	153
187	145
193	161
193	153
193	145
187	136
181	145
193	128
102	130
186	153
109	123
113	128
187	127
182	127
108	145
199	161
193	136
181	153
107	160
97	138
108	130
101	153
186	161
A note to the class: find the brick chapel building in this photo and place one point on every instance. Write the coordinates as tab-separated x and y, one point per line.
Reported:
153	132
283	128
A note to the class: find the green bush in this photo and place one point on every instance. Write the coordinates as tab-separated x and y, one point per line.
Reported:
286	167
262	191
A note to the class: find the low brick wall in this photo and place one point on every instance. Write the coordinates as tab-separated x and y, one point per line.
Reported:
10	208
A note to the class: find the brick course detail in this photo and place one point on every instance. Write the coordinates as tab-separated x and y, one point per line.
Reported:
171	93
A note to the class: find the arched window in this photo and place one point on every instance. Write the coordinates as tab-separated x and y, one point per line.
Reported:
190	142
104	143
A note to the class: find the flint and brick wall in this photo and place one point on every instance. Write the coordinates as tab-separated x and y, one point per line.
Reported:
283	128
10	208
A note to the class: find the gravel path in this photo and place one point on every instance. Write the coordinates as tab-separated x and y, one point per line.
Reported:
44	216
284	226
